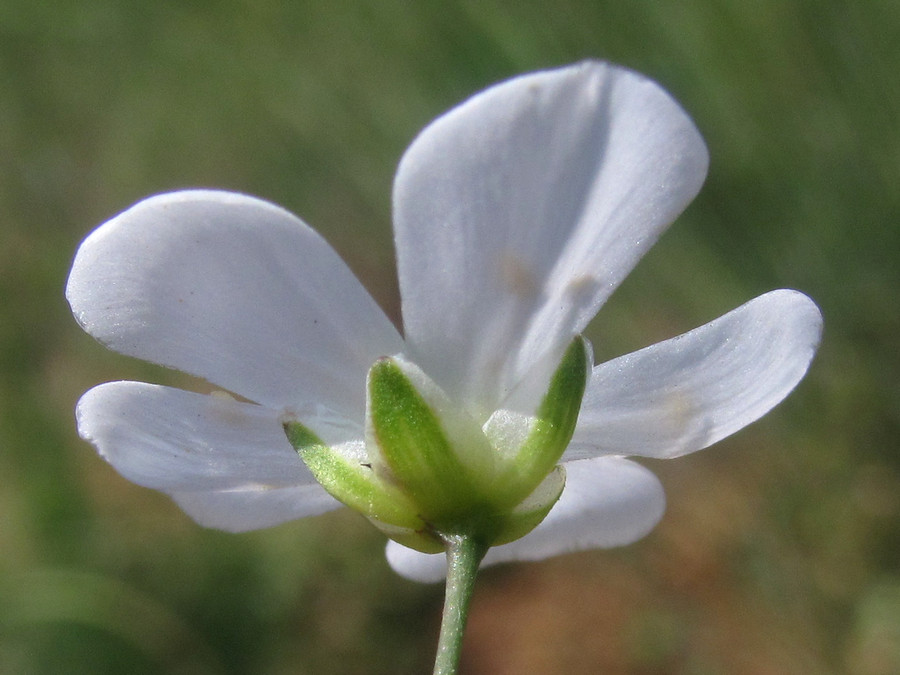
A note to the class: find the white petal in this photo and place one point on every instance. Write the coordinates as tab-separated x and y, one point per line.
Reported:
255	508
607	502
234	290
519	212
686	393
206	451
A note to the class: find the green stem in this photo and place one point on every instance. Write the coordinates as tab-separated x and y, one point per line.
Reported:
464	554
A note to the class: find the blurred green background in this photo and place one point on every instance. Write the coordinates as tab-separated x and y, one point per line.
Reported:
779	552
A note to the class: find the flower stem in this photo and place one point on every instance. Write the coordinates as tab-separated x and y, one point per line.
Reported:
464	554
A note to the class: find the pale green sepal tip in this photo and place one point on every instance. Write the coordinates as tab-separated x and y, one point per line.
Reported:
424	540
532	511
352	483
553	424
414	445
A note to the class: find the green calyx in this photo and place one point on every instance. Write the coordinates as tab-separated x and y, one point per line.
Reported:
430	471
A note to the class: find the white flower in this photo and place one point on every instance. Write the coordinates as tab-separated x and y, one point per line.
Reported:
516	216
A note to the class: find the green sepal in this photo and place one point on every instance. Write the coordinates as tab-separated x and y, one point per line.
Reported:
550	429
532	511
351	482
411	438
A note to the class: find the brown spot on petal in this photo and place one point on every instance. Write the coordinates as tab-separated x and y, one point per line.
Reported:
517	276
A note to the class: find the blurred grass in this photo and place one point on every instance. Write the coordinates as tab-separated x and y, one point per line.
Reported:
780	550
